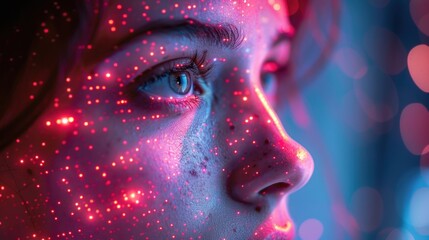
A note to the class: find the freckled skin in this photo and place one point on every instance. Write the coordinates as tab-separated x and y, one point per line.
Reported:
128	167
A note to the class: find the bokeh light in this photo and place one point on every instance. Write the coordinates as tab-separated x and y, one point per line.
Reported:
419	10
311	229
418	62
351	63
419	211
415	128
386	49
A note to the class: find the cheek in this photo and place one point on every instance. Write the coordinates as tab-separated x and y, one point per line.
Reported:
115	163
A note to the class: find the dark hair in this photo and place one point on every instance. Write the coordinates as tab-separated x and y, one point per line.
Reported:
36	38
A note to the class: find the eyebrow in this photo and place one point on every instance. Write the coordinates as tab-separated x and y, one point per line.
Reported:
223	35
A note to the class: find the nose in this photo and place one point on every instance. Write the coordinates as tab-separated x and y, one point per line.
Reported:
272	164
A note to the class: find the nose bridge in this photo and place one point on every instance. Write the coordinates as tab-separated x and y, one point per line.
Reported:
260	97
271	164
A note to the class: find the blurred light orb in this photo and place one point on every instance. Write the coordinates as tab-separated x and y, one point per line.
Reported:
414	126
351	63
386	49
419	211
311	229
418	65
419	10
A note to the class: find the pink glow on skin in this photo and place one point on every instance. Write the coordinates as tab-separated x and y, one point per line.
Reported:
136	158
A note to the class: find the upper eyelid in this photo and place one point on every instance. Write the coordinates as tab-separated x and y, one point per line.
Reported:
165	67
171	66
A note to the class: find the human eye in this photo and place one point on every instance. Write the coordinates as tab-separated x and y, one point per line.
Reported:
272	73
176	85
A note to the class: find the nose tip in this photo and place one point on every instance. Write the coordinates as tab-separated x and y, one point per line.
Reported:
270	173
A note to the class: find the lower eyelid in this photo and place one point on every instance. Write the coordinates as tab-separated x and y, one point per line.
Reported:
153	103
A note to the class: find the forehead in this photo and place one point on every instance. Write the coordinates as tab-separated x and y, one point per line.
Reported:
257	19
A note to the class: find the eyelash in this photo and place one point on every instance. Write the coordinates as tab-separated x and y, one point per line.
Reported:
198	67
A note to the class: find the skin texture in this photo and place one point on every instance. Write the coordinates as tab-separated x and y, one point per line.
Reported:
113	158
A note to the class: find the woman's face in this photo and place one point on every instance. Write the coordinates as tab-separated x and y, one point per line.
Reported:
164	128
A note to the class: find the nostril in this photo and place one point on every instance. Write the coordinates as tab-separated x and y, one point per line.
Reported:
279	188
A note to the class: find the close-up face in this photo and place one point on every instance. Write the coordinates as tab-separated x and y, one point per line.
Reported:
163	126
